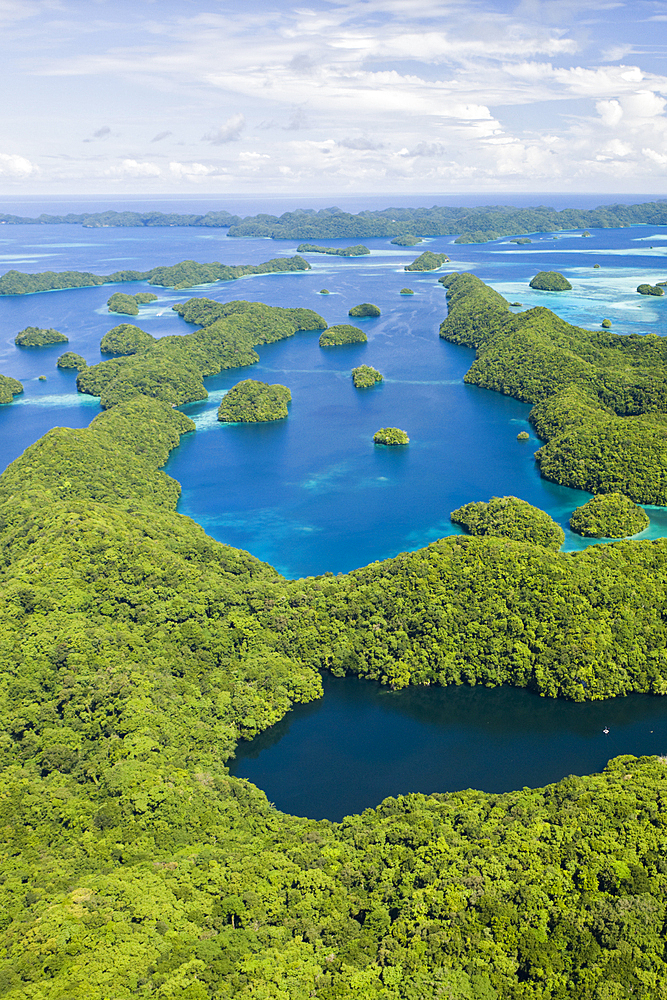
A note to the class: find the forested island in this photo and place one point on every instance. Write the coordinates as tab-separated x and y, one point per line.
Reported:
475	224
9	387
120	302
356	251
173	368
70	359
610	515
343	333
427	261
137	651
364	377
36	336
600	399
187	274
254	402
510	517
391	436
550	281
364	310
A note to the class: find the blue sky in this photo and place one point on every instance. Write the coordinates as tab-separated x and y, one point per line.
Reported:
373	96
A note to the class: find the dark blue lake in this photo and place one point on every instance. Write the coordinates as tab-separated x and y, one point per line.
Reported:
362	743
312	493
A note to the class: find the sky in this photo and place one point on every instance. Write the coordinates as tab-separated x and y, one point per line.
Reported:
368	96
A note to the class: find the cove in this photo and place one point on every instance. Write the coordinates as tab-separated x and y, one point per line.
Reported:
362	743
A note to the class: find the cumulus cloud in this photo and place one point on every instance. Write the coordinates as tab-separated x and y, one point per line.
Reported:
229	132
16	166
610	112
194	172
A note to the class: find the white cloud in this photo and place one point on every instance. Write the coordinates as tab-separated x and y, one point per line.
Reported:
229	132
135	168
16	166
610	112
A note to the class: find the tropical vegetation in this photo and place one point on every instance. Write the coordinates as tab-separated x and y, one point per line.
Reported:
510	517
550	281
355	251
610	515
9	387
253	402
70	359
391	436
35	336
427	261
364	309
341	334
126	339
364	377
644	289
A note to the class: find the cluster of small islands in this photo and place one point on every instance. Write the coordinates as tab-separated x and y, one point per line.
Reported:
137	651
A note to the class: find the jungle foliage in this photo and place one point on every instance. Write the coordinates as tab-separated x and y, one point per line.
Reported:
136	651
70	359
9	387
364	309
644	289
510	517
35	336
550	281
391	436
427	261
120	302
126	339
610	515
407	240
364	377
253	402
342	333
173	368
601	397
187	274
355	251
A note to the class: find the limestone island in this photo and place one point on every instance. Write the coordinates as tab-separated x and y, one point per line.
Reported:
120	302
550	281
324	291
521	240
391	436
254	402
428	261
356	251
650	290
407	240
523	436
126	339
609	515
34	336
510	517
364	377
336	336
407	291
9	387
364	309
71	360
606	324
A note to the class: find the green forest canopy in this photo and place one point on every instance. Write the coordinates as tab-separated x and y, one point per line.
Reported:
510	517
251	401
477	224
136	651
600	398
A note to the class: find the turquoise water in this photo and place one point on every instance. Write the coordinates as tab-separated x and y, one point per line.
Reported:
312	493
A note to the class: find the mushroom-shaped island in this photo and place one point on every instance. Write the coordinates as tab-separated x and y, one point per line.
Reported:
35	336
550	281
407	291
364	309
70	359
364	376
650	290
391	436
251	401
407	240
609	515
336	336
510	517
